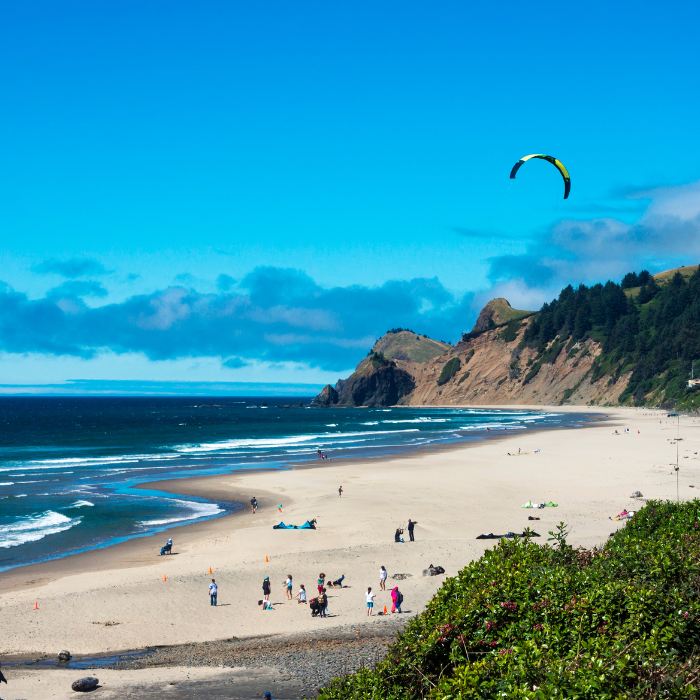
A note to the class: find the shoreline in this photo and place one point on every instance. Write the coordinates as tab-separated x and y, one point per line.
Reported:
100	557
126	598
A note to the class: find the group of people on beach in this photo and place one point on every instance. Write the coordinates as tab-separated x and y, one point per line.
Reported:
319	604
396	595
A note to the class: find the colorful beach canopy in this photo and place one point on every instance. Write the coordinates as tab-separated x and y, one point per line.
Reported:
550	159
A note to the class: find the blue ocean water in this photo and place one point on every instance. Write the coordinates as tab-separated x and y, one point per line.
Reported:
70	467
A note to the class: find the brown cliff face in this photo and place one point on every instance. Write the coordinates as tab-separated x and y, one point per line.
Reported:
489	368
494	371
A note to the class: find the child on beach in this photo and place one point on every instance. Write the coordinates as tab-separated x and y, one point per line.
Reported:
301	595
370	601
213	592
340	491
321	582
288	585
323	603
266	588
382	578
266	605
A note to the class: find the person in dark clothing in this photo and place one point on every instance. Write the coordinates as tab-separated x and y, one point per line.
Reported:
2	678
411	525
397	535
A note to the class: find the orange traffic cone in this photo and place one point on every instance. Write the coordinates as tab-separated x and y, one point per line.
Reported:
164	578
385	609
266	559
36	605
210	569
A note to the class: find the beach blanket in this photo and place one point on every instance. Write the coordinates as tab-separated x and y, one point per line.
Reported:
306	526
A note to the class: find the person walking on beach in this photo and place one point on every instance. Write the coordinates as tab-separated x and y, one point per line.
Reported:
370	601
321	582
396	600
382	579
302	594
288	586
279	507
266	588
410	527
340	491
213	592
253	504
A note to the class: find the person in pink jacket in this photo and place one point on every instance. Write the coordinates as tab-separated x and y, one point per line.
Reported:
396	600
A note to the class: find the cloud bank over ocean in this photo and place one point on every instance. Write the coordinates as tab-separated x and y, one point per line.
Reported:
279	324
274	315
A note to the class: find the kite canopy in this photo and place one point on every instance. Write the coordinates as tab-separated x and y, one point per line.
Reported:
550	159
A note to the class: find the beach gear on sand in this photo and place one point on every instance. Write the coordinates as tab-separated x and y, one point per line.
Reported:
530	504
508	535
433	571
308	525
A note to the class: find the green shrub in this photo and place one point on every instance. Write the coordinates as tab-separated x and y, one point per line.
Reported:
377	359
546	621
533	372
463	377
511	331
449	370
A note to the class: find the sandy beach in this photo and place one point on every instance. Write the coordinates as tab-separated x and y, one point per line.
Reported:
117	599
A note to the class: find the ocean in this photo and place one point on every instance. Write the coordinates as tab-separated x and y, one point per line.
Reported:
70	467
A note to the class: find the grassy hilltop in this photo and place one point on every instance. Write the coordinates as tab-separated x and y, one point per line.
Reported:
406	345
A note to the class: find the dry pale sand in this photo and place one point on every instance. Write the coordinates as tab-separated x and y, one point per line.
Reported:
454	495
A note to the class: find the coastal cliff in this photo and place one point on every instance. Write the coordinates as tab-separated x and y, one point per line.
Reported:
489	367
494	368
633	343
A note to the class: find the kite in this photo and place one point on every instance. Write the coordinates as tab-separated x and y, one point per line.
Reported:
550	159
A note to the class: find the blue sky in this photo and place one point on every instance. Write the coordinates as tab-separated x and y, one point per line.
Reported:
255	192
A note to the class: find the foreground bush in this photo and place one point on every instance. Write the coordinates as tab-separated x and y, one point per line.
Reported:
532	621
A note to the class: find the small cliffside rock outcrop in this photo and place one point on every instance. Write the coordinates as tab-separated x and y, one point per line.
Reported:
376	382
327	397
495	312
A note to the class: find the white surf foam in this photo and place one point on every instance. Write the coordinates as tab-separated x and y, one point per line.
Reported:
198	510
290	441
80	504
6	483
90	461
34	527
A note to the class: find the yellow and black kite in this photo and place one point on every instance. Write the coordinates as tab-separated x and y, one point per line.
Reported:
550	159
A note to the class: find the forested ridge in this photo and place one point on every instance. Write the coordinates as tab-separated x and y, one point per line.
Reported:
647	329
